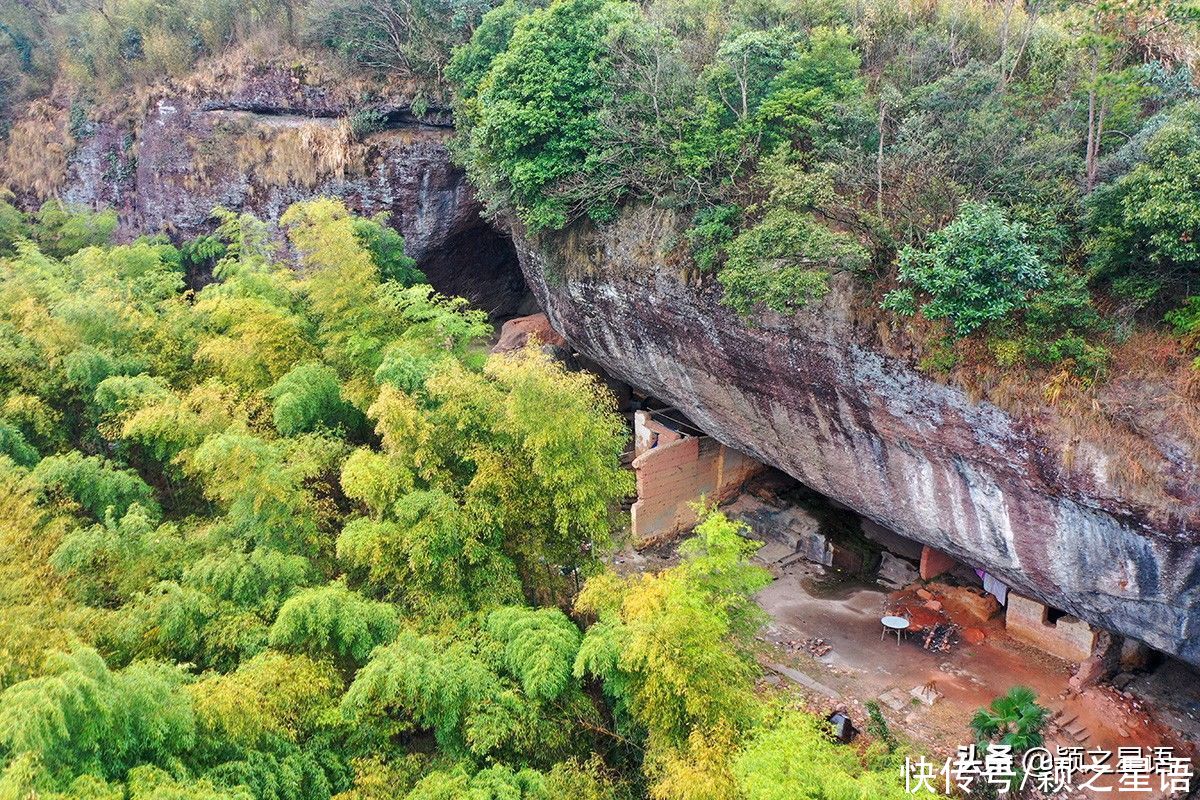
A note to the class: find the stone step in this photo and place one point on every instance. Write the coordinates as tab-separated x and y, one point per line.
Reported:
1075	729
1062	720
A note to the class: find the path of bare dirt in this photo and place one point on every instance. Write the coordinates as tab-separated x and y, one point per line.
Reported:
824	637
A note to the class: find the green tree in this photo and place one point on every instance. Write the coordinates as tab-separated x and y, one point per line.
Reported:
785	258
539	648
471	62
669	647
1144	224
261	579
800	104
387	251
14	446
62	230
333	620
309	397
271	695
81	717
342	286
425	683
794	756
535	136
106	564
517	467
412	39
96	485
431	555
12	227
494	783
977	270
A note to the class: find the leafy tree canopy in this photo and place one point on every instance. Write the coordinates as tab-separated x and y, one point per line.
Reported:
978	269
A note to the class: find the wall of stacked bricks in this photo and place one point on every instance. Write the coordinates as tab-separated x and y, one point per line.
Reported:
675	474
1068	638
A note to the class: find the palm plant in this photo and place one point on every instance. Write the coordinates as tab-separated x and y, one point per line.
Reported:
1014	719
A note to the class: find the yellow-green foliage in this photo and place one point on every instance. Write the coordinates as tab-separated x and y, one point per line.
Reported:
36	616
794	757
272	694
501	484
669	644
670	649
283	539
251	343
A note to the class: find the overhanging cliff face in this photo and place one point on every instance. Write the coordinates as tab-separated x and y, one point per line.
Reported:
802	394
258	137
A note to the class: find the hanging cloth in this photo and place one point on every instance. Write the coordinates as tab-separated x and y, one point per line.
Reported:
996	588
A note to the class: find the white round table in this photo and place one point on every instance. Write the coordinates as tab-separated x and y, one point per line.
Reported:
893	623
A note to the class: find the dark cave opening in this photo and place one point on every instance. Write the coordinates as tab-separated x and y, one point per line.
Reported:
480	264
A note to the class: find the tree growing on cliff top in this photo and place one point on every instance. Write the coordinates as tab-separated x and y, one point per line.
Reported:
1145	224
535	139
978	269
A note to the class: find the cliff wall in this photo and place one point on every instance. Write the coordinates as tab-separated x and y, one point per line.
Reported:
808	395
258	136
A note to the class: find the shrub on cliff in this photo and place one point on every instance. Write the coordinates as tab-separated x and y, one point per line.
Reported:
977	270
365	122
1186	321
783	261
409	38
1145	225
62	230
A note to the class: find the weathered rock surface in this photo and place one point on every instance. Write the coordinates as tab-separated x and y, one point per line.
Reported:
259	137
516	333
805	395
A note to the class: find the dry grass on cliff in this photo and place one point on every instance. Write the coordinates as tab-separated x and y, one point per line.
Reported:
303	155
276	153
1112	428
645	239
35	156
248	62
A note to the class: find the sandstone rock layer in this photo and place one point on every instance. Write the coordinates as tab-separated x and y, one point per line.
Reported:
804	394
260	137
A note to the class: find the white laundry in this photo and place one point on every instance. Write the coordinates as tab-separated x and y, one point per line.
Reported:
993	586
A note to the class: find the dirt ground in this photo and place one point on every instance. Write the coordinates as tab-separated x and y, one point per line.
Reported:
805	605
824	636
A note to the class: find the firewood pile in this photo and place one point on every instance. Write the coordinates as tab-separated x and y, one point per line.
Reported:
817	647
941	637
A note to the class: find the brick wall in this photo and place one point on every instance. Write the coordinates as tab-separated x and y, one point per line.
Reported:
649	433
935	563
1069	638
674	474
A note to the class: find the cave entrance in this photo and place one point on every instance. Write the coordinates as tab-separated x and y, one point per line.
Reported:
480	264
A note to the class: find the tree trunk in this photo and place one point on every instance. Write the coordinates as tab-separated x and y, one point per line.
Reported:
879	160
1089	161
